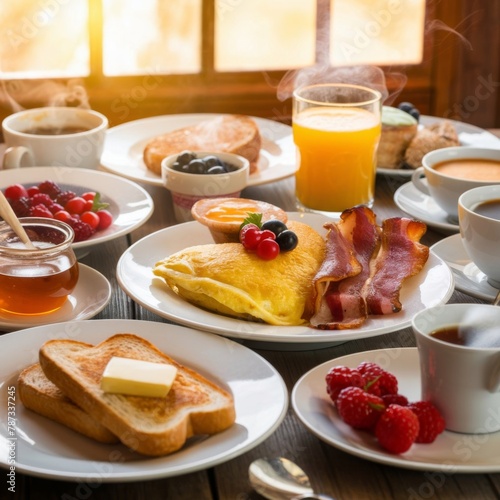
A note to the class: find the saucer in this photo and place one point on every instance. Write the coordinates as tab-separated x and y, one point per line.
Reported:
90	296
468	278
421	206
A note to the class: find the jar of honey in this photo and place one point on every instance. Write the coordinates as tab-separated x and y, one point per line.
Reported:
36	281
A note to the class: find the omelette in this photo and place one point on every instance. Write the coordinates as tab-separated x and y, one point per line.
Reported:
228	279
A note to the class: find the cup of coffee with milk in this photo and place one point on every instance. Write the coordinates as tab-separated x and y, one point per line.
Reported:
449	172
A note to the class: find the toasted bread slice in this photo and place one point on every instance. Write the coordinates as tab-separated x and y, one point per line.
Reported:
39	394
236	134
151	426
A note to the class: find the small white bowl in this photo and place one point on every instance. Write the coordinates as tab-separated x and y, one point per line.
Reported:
188	188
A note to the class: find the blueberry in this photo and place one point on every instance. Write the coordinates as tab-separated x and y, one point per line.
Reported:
415	113
185	157
406	106
274	225
212	161
176	166
197	166
287	240
217	169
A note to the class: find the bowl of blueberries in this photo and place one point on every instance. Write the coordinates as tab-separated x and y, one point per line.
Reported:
193	175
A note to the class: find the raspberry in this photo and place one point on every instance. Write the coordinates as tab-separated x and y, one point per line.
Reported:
340	377
55	207
395	399
21	206
41	198
431	421
397	429
40	210
378	380
358	408
50	188
64	196
82	231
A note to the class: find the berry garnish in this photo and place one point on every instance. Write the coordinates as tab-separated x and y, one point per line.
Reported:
431	421
340	377
86	213
409	108
378	380
253	233
397	428
358	408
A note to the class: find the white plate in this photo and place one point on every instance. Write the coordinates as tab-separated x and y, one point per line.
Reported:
468	135
90	296
468	278
125	144
450	453
130	205
421	206
45	448
432	286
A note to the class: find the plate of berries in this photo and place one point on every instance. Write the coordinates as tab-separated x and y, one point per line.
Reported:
368	404
98	205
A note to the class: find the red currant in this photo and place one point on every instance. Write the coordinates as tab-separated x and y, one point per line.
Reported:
91	218
250	236
63	216
89	195
268	249
76	205
15	191
105	219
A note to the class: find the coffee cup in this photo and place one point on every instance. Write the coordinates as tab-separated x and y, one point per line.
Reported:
54	136
479	221
450	172
459	351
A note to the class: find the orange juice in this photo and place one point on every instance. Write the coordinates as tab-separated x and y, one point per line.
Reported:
336	157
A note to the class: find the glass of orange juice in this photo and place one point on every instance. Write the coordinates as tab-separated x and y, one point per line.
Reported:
336	128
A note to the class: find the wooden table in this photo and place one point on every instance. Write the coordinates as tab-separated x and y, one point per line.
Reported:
331	471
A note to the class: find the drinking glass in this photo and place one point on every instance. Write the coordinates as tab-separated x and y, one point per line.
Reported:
336	128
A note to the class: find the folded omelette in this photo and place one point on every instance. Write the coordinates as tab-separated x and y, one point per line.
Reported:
227	279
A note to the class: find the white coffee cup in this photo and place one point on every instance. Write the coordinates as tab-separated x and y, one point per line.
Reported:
54	136
462	381
481	234
446	190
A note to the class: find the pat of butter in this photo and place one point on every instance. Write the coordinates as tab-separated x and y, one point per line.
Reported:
137	378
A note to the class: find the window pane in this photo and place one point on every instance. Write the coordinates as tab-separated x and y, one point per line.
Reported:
263	34
377	31
43	38
151	36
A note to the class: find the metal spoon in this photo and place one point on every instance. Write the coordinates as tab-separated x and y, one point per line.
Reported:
280	479
11	219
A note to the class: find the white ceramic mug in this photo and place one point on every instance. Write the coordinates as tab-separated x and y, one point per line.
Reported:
480	234
446	190
31	137
188	188
462	381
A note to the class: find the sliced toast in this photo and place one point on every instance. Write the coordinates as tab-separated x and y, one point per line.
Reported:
236	134
40	395
151	426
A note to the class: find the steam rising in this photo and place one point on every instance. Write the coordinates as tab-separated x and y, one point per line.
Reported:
367	76
44	93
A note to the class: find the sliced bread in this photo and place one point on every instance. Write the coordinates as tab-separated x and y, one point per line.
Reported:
151	426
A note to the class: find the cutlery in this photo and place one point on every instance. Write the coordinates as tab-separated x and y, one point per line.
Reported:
281	479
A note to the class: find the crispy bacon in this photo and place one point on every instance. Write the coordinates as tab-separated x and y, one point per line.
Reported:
341	304
401	256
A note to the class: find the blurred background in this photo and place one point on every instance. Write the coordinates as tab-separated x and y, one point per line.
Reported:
132	59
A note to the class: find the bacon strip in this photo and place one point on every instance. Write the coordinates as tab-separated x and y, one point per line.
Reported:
401	256
342	305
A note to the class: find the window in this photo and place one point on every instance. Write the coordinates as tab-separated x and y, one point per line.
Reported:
71	38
